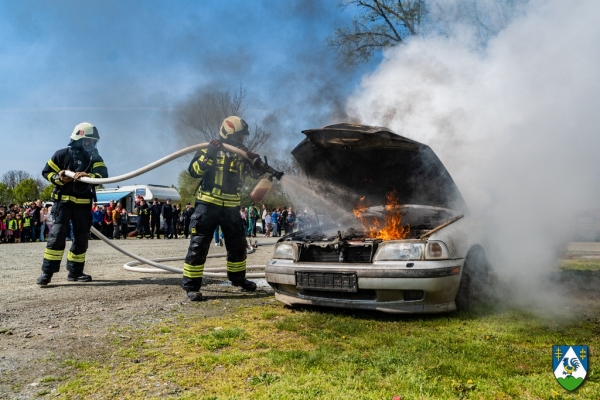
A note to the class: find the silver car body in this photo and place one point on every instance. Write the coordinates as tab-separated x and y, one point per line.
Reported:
337	266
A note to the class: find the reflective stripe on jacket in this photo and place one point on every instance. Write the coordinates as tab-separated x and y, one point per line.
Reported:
69	159
221	178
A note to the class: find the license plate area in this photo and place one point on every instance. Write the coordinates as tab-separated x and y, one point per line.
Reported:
330	281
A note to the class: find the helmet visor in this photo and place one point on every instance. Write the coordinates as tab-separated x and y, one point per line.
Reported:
88	144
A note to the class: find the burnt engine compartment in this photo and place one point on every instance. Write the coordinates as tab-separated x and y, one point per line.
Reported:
347	240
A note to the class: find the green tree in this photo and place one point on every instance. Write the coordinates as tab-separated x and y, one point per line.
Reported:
187	186
26	190
47	192
6	195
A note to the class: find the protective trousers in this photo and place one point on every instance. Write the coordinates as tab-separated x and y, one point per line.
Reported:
144	227
205	219
81	217
155	227
169	228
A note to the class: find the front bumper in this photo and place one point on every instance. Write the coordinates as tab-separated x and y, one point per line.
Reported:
425	287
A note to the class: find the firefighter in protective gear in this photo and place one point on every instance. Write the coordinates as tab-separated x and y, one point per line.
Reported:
143	212
218	203
72	202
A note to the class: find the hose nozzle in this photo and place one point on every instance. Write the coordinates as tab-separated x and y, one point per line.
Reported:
257	163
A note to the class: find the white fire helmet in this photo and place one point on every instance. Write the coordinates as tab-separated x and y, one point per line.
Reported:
232	127
87	134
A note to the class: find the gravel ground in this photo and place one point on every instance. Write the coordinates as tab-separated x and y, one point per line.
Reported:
42	327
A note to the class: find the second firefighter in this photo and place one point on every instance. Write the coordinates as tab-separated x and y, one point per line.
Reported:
218	203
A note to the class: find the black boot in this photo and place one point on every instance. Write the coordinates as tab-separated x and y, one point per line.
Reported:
78	277
194	296
44	279
245	284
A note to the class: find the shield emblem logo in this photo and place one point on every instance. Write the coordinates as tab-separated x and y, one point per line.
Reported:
570	364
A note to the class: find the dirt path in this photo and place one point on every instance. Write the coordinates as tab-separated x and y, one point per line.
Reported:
42	327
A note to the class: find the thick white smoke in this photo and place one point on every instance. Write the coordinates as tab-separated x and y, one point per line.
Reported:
517	125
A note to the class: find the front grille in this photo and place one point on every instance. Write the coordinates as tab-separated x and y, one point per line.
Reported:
351	254
361	294
338	282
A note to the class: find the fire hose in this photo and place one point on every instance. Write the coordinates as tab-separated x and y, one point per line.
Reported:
130	266
209	272
256	162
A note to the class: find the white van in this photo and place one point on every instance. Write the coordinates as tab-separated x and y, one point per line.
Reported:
127	195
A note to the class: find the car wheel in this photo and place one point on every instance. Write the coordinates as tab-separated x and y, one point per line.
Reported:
474	280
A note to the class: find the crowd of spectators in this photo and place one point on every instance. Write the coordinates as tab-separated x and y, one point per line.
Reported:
32	222
276	221
153	219
110	220
25	223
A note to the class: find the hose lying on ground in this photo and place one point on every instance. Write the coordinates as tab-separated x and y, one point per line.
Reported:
208	272
141	260
156	164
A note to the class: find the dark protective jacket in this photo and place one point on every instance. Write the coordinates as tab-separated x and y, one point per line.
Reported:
75	160
167	211
222	178
143	212
155	210
187	214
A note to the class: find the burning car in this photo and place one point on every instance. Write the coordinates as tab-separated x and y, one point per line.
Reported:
402	241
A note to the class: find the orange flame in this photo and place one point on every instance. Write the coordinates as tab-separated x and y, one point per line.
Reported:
393	228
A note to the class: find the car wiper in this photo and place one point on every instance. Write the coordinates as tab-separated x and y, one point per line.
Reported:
437	228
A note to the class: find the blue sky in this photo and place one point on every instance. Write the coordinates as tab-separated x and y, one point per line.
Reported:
125	65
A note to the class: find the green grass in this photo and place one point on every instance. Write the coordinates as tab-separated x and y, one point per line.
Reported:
580	265
277	353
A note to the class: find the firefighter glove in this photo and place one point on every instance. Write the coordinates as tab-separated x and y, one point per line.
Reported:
213	148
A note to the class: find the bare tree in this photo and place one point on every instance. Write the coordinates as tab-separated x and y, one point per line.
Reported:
203	114
378	24
485	18
385	23
13	177
205	111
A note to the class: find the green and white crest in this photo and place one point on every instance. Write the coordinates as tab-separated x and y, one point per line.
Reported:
570	364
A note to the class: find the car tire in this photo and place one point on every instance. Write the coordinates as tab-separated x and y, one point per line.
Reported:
474	280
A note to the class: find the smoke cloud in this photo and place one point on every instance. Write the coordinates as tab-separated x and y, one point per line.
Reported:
516	124
304	86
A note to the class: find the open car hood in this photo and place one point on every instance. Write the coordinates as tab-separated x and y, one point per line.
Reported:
373	161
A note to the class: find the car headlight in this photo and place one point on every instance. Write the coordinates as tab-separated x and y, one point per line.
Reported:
412	251
400	251
436	250
284	251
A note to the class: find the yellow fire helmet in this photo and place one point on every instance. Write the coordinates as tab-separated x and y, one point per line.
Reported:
85	130
232	127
